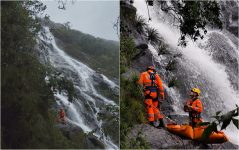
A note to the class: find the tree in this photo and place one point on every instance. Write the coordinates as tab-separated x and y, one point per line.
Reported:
193	17
19	24
27	118
67	25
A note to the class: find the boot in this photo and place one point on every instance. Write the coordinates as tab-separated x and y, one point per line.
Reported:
162	124
151	123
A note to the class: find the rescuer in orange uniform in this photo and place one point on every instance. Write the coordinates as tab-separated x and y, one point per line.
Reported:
194	107
62	115
153	92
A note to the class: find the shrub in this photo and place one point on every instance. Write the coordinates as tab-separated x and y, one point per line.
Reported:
131	110
127	50
140	23
153	35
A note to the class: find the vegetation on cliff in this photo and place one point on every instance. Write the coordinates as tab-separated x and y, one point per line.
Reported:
27	117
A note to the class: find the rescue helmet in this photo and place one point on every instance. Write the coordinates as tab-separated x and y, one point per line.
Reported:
150	68
196	90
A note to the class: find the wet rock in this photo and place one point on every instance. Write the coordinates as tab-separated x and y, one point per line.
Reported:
94	143
229	11
41	51
129	73
130	9
142	46
74	133
224	53
180	119
141	63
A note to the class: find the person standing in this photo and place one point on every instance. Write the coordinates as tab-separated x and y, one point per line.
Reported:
153	93
62	116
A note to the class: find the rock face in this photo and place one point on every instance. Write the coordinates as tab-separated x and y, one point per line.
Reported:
74	133
162	139
143	61
222	52
229	10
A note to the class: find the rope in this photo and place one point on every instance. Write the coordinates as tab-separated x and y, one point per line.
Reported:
148	9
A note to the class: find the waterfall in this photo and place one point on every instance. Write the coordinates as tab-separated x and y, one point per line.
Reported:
82	112
199	66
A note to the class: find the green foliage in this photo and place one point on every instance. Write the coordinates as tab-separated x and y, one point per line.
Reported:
101	55
19	26
193	16
173	82
111	126
235	122
140	23
153	35
138	143
27	120
123	69
163	49
114	110
220	120
60	83
127	50
226	118
131	99
131	108
210	128
67	25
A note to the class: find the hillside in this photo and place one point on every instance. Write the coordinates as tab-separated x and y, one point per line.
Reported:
100	54
27	117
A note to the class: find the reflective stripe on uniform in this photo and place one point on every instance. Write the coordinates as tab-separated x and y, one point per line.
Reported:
150	117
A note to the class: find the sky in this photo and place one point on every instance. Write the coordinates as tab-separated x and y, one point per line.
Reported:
92	17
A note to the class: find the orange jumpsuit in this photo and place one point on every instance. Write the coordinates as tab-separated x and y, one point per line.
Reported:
152	89
195	113
62	116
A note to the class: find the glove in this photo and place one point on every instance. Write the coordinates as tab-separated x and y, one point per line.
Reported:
185	108
189	108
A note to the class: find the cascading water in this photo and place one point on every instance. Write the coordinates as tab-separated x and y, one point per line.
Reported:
200	65
82	112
